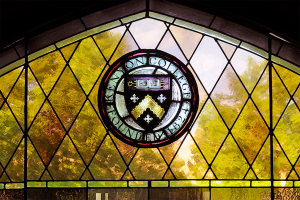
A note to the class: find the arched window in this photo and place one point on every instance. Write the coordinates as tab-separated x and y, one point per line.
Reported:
149	104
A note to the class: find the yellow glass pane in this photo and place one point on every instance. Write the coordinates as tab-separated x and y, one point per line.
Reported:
169	175
169	45
4	178
87	132
66	163
46	176
107	164
208	62
47	69
67	98
209	131
108	40
209	175
250	131
260	96
229	96
290	79
86	176
46	132
8	80
250	175
87	70
187	40
281	164
1	99
35	166
148	164
230	163
68	50
297	97
189	162
293	176
261	165
15	168
127	176
147	32
169	151
36	97
248	66
297	167
228	49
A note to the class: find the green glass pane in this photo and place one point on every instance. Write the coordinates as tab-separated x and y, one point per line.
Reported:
138	183
240	193
127	151
230	183
169	151
188	162
161	17
87	176
228	49
189	183
46	176
254	49
229	96
68	50
230	163
8	80
36	184
47	69
248	66
209	131
261	165
283	183
290	79
4	178
127	45
87	132
14	186
133	17
107	164
46	132
36	97
66	184
260	96
10	134
287	193
108	40
35	166
107	184
250	131
293	176
127	176
15	168
187	40
148	164
16	99
169	45
147	32
209	175
11	67
208	62
250	175
87	70
169	175
280	97
41	52
159	183
287	132
286	64
66	164
281	164
67	91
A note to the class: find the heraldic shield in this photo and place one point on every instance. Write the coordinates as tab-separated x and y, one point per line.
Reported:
148	99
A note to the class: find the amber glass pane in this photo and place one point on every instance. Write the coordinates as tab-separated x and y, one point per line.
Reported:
287	193
107	164
46	176
66	164
281	164
293	175
15	168
248	66
148	164
35	165
36	97
297	167
250	131
169	175
68	50
108	40
87	70
228	49
147	32
127	45
189	162
169	45
230	163
47	69
229	96
260	96
46	132
169	151
87	132
87	176
290	79
187	40
7	81
261	165
10	134
250	175
16	99
287	132
127	176
4	178
208	62
240	193
67	91
209	131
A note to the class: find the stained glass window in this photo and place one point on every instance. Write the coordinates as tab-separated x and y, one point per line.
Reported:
147	106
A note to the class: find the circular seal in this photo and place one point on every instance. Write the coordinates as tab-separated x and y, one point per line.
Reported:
148	98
